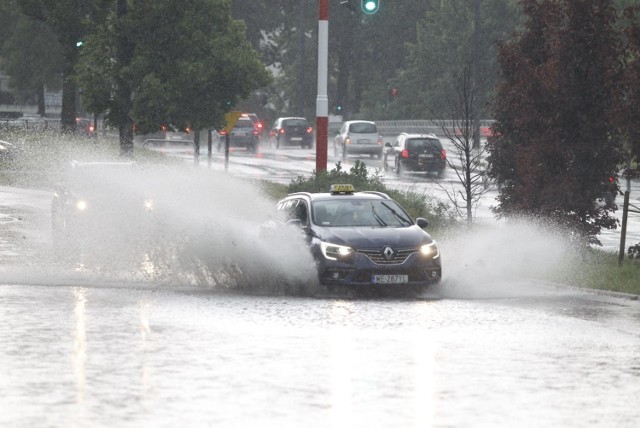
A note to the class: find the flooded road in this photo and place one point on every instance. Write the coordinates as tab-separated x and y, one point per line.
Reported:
99	344
128	355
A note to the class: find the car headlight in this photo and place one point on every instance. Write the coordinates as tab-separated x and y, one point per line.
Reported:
430	250
148	205
334	251
81	205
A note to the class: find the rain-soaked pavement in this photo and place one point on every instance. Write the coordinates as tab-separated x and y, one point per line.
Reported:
84	345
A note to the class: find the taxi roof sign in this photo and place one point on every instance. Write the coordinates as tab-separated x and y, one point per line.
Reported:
342	188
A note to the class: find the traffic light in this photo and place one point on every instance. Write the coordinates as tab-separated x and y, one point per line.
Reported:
370	6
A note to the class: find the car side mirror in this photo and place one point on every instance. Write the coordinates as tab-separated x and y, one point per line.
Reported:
422	222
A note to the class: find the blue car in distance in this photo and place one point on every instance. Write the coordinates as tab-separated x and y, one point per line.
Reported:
364	239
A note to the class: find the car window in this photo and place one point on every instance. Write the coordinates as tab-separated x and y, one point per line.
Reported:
359	213
244	123
421	143
295	122
363	128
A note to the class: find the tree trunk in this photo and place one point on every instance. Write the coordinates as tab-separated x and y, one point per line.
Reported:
40	95
126	140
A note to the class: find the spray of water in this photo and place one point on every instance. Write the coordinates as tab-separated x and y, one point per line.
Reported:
184	226
496	260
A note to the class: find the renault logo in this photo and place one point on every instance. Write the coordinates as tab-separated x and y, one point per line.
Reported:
388	253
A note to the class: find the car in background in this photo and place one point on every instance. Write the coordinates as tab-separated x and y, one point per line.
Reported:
98	197
292	131
415	152
86	127
256	122
244	134
358	137
364	240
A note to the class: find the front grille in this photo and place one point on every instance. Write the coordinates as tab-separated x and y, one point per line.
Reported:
378	256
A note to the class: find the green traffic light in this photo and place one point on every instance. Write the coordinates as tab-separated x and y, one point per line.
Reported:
370	6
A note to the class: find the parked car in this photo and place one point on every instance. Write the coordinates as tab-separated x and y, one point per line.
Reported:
415	152
363	240
244	134
292	131
358	137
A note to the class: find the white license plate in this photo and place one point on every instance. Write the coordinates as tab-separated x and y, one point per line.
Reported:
296	139
364	141
425	155
390	279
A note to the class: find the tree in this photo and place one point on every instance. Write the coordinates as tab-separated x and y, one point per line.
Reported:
189	71
70	21
451	35
463	112
555	149
30	54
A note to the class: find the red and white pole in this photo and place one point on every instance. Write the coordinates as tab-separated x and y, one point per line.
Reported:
322	101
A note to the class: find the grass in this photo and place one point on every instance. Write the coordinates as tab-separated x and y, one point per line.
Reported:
600	270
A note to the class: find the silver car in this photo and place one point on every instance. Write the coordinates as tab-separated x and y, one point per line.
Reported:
358	137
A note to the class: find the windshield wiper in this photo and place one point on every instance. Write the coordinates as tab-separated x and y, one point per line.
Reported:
377	217
398	216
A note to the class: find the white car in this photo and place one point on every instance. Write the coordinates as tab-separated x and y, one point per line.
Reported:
358	137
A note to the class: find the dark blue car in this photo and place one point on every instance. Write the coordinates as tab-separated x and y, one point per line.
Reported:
364	239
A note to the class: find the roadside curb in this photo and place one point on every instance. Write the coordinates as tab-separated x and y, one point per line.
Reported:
608	293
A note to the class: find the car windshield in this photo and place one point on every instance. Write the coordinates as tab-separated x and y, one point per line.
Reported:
363	128
97	177
295	122
421	143
244	123
359	213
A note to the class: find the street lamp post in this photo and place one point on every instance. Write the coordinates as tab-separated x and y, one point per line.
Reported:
322	101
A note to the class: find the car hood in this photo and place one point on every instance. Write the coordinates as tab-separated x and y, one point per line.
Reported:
374	237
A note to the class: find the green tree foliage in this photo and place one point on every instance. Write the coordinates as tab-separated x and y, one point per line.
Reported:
69	21
30	54
452	35
185	63
627	114
555	150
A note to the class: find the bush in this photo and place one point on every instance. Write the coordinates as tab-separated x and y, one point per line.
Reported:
634	251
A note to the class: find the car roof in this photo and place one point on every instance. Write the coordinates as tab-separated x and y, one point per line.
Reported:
360	121
291	117
407	135
365	195
103	164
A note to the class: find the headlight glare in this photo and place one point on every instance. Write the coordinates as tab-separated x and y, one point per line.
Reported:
81	205
334	251
430	250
